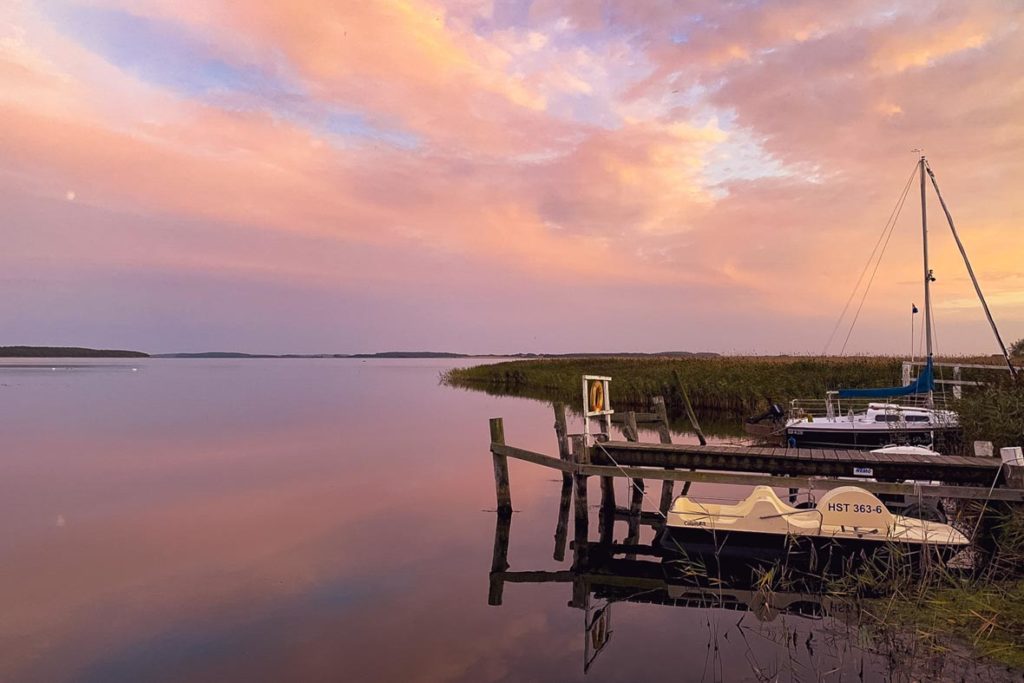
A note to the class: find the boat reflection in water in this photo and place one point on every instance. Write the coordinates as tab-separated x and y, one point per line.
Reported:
806	632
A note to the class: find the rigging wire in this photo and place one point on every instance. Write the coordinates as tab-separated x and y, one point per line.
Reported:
867	288
853	292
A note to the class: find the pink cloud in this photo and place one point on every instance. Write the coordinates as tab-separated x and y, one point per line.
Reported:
575	145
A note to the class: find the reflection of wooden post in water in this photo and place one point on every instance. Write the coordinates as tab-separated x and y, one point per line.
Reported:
562	529
606	522
665	436
580	456
499	558
501	482
561	434
636	499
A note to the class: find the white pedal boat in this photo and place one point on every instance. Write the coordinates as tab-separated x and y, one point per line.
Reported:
847	521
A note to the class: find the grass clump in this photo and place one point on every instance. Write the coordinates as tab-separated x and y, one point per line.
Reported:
989	617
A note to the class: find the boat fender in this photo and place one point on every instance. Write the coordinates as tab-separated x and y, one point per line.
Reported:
596	397
792	442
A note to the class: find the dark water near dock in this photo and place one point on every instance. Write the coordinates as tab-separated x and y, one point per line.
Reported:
318	520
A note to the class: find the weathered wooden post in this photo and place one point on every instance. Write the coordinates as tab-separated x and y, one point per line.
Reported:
665	436
562	435
581	457
499	558
501	482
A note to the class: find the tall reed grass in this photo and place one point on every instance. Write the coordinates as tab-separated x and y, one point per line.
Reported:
736	385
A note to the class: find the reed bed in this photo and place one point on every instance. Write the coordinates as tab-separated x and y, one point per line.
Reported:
994	413
734	385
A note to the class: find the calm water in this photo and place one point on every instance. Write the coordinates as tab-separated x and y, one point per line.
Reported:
320	520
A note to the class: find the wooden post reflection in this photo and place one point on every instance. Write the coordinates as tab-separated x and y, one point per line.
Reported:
636	498
562	528
581	456
499	558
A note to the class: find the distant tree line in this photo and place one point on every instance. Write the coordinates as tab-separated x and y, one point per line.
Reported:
66	352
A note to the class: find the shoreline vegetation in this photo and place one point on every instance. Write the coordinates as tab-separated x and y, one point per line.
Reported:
728	389
82	352
727	384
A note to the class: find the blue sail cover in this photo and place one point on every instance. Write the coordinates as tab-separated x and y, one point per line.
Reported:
924	383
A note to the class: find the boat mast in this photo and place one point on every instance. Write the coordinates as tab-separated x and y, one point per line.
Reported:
970	270
927	275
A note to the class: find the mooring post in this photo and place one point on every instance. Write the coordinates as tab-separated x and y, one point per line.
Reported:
501	482
499	558
562	528
561	434
665	436
580	456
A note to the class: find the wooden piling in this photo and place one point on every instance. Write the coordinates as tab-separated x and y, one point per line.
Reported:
501	480
562	435
665	436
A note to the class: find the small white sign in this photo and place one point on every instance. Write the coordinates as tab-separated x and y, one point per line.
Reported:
863	472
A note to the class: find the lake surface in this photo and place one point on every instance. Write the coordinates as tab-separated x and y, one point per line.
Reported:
318	520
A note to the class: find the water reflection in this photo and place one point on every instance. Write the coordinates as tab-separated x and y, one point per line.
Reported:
313	520
746	627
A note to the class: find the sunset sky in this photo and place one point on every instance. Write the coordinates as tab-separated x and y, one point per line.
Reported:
498	176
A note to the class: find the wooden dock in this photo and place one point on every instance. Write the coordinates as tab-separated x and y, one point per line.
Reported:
801	462
914	476
608	571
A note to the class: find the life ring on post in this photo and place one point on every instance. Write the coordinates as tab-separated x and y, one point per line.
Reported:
596	396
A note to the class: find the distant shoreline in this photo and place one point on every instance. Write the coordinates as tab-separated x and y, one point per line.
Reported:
66	352
83	352
435	354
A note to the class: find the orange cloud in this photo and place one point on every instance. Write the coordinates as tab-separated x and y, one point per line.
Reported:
660	148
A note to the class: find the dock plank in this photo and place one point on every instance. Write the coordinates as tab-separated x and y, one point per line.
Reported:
799	461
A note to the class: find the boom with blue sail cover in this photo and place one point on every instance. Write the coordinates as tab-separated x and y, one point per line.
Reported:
924	383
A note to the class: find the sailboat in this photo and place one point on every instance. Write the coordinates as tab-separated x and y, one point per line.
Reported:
901	415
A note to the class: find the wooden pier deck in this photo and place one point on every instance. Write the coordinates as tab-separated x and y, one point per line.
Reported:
951	469
913	476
